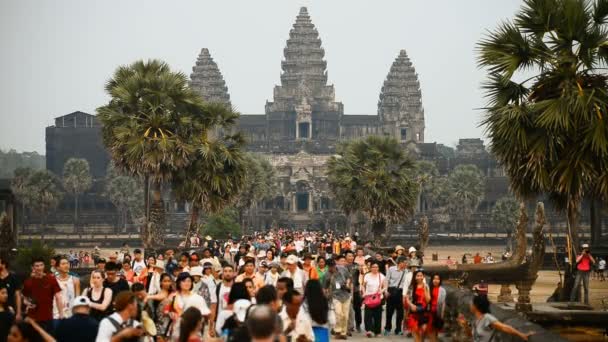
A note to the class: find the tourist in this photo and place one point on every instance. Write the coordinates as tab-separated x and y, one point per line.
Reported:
238	292
296	274
7	313
121	325
489	259
379	259
80	327
100	264
197	274
262	324
191	326
155	300
321	268
449	261
417	299
184	298
39	291
485	325
228	255
70	287
273	275
138	264
481	288
223	290
296	326
360	257
464	259
113	281
372	289
100	297
316	308
28	330
210	294
584	262
10	282
262	271
153	283
601	267
249	273
477	259
337	285
308	268
437	308
209	257
394	284
284	284
128	273
251	290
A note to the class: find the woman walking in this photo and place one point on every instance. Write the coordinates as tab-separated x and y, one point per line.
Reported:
437	313
372	288
100	296
417	300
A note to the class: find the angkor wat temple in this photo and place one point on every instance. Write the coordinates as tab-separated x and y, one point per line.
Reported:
298	132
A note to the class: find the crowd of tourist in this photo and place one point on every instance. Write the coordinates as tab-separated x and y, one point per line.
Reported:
280	285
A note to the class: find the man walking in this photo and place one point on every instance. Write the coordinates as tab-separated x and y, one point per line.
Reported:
39	291
395	280
337	285
80	327
584	262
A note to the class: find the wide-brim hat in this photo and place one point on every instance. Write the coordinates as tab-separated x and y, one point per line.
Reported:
399	247
292	259
412	249
261	254
196	271
159	264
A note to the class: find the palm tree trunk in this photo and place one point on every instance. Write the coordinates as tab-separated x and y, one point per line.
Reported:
378	229
572	213
154	229
193	223
147	197
75	212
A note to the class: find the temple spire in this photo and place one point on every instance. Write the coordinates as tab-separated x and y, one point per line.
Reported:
304	76
207	80
400	104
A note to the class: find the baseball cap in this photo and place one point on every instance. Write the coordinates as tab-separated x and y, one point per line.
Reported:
81	301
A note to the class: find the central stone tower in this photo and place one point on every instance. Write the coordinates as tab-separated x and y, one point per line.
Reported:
304	110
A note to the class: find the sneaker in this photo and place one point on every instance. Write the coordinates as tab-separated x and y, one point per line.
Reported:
369	334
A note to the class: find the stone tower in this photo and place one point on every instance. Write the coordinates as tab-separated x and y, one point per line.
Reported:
304	103
207	80
400	105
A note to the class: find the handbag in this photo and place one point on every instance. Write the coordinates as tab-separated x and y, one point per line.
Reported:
373	300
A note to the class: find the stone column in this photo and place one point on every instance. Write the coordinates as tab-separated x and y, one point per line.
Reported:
523	297
505	295
310	202
294	208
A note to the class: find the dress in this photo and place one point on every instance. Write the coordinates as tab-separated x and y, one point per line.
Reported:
433	314
415	320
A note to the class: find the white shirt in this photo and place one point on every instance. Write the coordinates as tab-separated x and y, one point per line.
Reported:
303	325
602	265
68	293
223	300
373	283
138	266
107	329
406	282
299	279
154	287
210	281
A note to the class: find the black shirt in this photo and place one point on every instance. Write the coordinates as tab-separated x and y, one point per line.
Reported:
117	287
12	284
6	321
78	328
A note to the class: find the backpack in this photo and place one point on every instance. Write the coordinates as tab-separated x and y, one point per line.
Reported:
119	327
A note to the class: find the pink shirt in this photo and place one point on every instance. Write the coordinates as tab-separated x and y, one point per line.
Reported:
584	264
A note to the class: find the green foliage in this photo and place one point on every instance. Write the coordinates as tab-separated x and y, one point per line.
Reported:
21	186
376	177
126	193
465	188
259	183
76	176
506	213
550	130
12	160
39	190
222	225
25	255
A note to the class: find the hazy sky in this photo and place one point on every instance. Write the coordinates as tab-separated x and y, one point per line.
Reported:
56	55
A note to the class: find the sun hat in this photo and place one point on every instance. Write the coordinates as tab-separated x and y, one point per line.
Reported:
261	254
196	271
585	245
81	301
292	259
159	264
412	249
398	247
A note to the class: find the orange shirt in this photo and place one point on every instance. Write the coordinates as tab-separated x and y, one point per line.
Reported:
477	259
311	272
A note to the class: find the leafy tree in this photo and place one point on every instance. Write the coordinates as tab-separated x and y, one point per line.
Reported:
549	130
25	255
76	180
259	183
222	225
374	176
465	185
217	173
48	192
127	195
505	215
22	189
149	127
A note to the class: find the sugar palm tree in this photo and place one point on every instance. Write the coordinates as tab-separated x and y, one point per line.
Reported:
549	130
47	187
21	187
147	128
259	184
465	186
374	176
217	172
76	180
505	215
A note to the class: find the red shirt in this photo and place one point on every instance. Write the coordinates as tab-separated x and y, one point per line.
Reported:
584	264
42	291
477	259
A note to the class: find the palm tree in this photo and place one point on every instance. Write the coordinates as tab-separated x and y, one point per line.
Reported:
505	215
23	191
76	180
465	187
148	128
127	195
47	187
549	130
374	176
259	184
